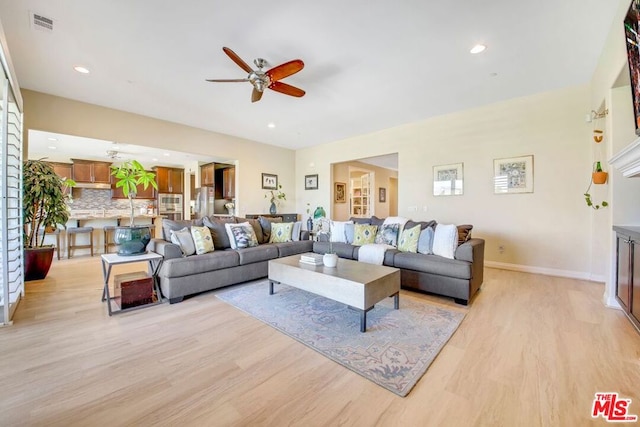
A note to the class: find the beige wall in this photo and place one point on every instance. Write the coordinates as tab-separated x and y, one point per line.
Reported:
60	115
546	231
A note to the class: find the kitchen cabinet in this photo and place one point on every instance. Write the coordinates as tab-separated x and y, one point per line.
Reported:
628	271
170	180
142	194
91	171
63	170
225	183
207	175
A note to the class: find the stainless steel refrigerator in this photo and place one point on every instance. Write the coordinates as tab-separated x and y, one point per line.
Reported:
204	202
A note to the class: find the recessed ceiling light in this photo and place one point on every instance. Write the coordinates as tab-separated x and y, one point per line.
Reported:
81	69
478	48
155	159
52	147
271	125
52	138
166	154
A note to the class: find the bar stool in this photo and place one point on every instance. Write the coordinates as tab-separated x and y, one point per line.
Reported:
55	232
72	233
109	232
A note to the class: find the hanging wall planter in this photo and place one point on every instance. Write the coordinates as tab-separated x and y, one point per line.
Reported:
598	176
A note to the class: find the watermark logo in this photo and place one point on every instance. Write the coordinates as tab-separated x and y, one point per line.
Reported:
612	408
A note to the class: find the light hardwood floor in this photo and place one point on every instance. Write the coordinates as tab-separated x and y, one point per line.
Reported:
532	351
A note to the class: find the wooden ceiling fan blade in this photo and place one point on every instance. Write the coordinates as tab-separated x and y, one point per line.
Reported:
285	70
227	80
235	58
256	95
287	89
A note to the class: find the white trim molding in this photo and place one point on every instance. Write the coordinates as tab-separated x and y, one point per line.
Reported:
546	271
627	160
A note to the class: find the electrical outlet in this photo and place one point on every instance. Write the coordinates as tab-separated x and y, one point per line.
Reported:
412	208
501	249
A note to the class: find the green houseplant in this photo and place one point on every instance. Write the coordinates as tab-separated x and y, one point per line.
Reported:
132	240
44	207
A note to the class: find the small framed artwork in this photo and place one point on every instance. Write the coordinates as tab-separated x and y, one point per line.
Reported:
311	182
448	180
382	195
513	175
340	192
269	181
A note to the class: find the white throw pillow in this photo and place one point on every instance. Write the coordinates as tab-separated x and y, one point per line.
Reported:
241	235
338	231
295	233
183	239
445	240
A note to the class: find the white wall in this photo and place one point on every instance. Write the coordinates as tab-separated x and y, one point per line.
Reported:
547	230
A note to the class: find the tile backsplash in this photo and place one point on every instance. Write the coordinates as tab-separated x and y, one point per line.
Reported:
88	198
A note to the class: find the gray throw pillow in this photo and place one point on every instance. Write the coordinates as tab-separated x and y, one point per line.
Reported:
169	224
364	221
425	242
183	239
295	234
349	231
218	232
377	221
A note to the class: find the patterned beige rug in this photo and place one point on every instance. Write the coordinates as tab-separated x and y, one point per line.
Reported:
396	350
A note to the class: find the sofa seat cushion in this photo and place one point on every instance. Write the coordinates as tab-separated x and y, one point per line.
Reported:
343	250
293	248
434	264
257	254
179	267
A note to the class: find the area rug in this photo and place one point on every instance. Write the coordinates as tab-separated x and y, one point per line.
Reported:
394	352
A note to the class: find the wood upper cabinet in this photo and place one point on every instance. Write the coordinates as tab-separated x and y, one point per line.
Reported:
142	194
91	171
207	175
225	179
63	170
170	180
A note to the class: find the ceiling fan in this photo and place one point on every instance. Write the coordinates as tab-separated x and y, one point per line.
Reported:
265	79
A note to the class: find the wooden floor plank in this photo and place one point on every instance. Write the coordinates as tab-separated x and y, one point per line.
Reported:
532	350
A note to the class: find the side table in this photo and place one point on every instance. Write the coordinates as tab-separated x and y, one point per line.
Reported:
109	260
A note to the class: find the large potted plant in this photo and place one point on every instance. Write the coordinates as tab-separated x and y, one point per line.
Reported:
132	239
44	208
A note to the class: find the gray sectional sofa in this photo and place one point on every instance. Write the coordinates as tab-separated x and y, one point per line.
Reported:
459	278
180	276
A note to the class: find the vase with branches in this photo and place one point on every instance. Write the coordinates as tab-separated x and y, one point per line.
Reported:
275	197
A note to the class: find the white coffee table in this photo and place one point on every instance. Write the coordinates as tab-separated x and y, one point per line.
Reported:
356	284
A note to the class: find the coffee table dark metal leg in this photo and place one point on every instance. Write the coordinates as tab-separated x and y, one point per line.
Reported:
396	300
271	282
363	319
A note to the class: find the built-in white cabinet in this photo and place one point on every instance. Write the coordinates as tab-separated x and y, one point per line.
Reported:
360	196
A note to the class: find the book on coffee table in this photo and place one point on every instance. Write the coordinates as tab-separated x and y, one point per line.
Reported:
312	259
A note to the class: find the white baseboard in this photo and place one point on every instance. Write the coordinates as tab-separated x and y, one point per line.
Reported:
546	271
611	301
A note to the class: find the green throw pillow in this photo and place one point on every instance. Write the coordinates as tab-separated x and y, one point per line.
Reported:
281	232
363	234
409	240
202	239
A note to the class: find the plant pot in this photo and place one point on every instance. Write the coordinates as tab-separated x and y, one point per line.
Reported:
37	262
330	260
132	240
599	177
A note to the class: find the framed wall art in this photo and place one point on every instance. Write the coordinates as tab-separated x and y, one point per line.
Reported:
269	181
382	195
340	192
311	182
513	175
448	180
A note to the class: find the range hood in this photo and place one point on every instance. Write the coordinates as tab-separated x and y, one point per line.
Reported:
93	185
627	160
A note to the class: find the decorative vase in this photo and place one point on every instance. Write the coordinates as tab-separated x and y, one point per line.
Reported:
599	177
309	224
132	240
330	260
37	262
319	213
272	208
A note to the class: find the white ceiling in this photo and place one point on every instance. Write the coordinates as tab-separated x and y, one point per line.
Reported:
369	65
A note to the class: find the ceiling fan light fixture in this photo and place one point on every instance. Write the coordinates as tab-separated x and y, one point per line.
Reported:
478	49
82	70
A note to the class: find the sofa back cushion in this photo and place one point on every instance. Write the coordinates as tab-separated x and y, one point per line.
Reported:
265	223
169	224
218	231
365	221
464	233
423	224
